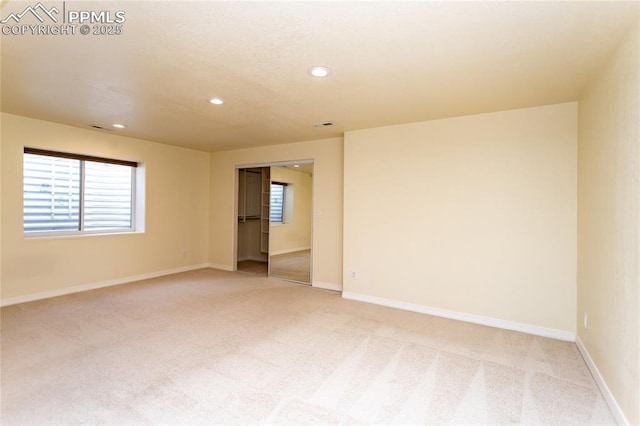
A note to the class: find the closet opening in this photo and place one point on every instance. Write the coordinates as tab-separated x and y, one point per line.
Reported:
274	220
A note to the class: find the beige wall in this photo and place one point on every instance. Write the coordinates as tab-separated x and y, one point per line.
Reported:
1	210
609	224
473	214
177	209
327	201
296	233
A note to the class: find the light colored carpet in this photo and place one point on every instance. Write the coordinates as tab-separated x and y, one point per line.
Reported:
295	266
207	347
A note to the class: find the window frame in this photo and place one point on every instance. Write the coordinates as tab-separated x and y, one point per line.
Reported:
81	219
284	196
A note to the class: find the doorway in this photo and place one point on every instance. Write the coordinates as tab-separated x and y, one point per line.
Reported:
274	226
253	220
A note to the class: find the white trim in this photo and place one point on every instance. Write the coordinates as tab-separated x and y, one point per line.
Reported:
327	286
93	286
274	163
602	385
219	266
46	235
462	316
275	253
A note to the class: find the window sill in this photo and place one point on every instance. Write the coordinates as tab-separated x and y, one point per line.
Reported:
76	234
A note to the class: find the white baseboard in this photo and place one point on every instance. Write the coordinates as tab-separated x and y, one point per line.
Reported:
602	385
219	266
275	253
327	286
462	316
86	287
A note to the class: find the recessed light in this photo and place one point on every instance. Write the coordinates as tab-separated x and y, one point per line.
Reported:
296	165
216	101
119	126
319	71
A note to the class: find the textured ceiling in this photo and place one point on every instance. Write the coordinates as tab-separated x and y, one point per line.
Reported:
392	62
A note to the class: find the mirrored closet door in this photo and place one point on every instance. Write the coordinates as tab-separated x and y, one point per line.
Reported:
290	221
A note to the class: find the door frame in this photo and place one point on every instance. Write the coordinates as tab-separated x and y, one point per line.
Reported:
235	204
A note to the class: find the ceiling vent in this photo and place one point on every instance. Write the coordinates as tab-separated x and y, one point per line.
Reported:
325	124
100	127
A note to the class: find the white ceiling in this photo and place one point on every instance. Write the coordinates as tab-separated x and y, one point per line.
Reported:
392	62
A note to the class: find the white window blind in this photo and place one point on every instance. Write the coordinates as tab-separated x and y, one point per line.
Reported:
108	196
51	193
276	213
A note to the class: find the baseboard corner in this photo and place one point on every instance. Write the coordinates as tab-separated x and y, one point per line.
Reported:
220	266
602	385
327	286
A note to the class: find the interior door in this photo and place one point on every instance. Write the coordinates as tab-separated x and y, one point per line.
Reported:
290	222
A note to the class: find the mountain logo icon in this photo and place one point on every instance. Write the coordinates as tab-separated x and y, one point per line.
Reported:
39	11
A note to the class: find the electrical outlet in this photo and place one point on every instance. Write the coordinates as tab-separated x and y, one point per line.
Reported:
354	275
585	321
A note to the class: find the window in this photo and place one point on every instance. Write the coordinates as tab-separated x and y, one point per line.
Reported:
276	214
77	193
